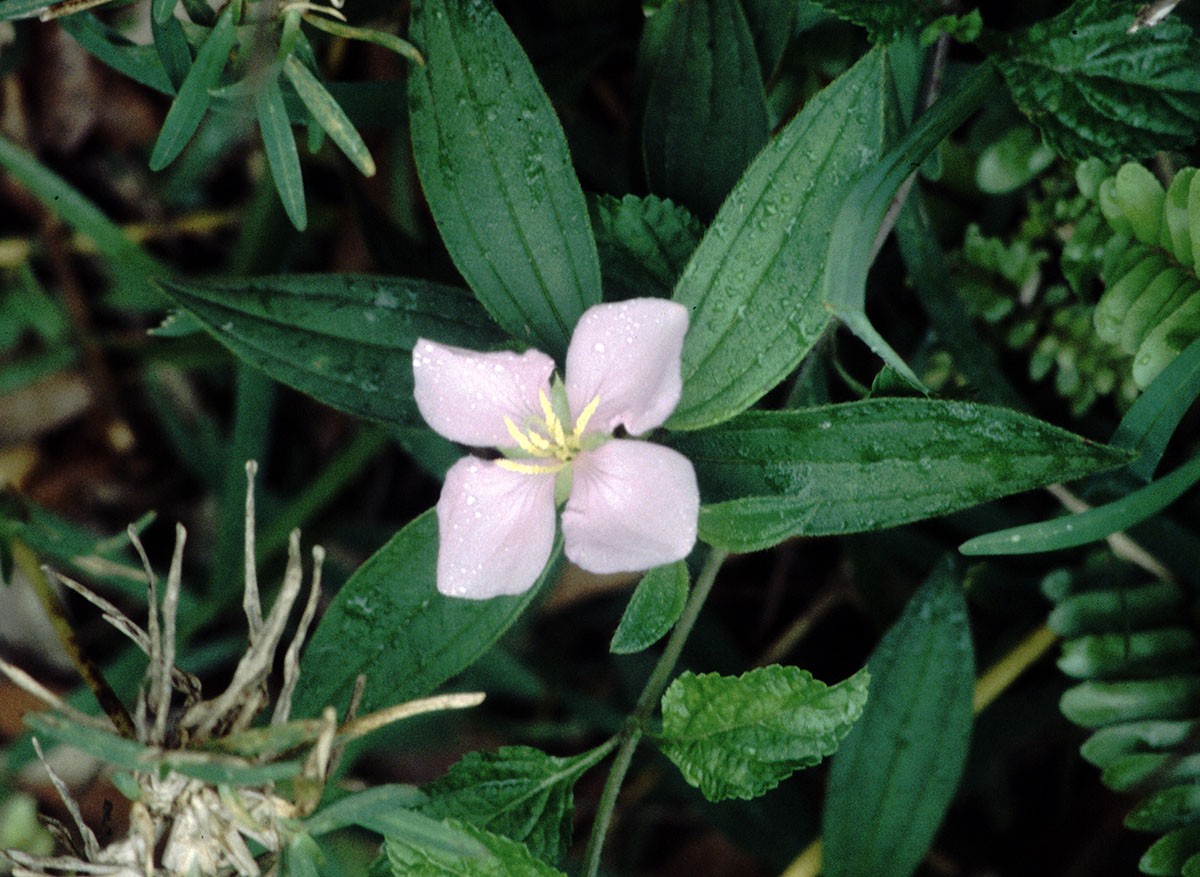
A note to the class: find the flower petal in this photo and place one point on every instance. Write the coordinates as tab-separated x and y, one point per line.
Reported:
628	354
465	395
633	506
495	529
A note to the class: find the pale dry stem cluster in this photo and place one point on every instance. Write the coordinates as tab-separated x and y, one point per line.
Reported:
202	829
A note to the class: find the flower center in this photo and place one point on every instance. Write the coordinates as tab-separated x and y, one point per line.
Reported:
543	444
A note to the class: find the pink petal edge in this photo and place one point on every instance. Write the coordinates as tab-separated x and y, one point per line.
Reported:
465	395
633	506
628	354
495	530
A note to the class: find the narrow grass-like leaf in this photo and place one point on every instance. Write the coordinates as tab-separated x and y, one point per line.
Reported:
493	161
11	10
653	609
161	10
367	35
754	283
395	591
361	808
851	243
1151	421
329	115
344	339
280	147
893	776
1071	531
873	464
140	63
131	266
738	737
193	99
519	792
706	112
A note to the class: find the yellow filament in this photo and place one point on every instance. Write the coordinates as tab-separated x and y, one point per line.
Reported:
581	422
529	468
547	438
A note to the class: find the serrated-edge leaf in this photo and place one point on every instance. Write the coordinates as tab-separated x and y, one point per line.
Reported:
895	773
279	144
327	113
653	609
519	792
740	736
394	591
754	285
643	243
193	99
494	164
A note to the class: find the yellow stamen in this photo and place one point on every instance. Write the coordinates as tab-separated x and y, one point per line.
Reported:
529	468
581	422
521	438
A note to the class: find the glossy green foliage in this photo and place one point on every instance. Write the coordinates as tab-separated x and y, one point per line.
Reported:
494	164
892	778
867	465
885	20
706	113
1095	89
738	737
345	340
394	590
754	283
1139	662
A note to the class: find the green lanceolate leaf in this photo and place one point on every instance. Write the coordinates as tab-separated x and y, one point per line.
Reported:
494	164
280	147
343	339
141	63
1095	89
518	792
501	857
363	808
193	99
754	283
852	241
895	773
1071	531
706	112
771	26
395	591
644	244
868	465
653	609
327	113
738	737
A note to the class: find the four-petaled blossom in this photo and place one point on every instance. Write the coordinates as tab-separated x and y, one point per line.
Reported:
630	505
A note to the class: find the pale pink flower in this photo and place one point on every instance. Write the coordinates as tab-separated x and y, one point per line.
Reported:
630	505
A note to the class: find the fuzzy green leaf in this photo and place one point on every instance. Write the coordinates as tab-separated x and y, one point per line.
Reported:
644	244
344	339
395	591
895	773
1094	89
501	857
706	112
653	609
518	792
738	737
493	161
754	283
767	476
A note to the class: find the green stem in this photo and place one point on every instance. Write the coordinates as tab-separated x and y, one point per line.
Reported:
651	694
